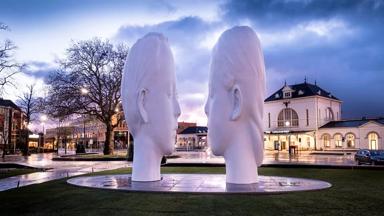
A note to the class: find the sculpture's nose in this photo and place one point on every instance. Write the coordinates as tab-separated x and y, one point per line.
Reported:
177	109
206	108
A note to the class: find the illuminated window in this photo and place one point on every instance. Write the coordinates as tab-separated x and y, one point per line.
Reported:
373	140
338	141
326	140
350	140
288	118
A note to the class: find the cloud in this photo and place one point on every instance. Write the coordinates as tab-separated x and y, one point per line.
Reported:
39	70
337	43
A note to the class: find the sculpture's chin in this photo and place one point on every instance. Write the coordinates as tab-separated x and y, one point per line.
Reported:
169	145
169	150
217	151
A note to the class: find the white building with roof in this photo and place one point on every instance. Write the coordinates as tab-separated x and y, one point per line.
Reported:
306	117
192	138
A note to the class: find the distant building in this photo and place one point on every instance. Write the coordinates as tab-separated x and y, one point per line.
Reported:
62	137
353	134
12	121
192	138
184	125
306	117
88	131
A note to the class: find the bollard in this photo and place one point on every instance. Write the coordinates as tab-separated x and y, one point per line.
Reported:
18	184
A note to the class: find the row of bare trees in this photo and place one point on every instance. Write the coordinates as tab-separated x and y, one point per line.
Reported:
86	83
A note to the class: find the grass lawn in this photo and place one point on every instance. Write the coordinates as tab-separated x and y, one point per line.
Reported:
5	173
354	192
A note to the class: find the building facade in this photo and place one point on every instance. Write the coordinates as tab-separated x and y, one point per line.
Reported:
12	122
353	134
193	138
306	117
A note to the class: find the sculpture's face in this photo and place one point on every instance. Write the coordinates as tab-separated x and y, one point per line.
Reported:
218	109
163	110
149	93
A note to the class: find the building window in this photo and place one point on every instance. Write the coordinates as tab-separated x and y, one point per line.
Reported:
307	114
269	120
373	140
288	118
287	94
326	140
350	140
329	114
338	141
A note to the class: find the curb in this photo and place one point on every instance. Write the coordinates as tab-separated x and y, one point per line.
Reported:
87	159
282	165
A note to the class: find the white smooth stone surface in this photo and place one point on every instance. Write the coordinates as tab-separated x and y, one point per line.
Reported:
200	183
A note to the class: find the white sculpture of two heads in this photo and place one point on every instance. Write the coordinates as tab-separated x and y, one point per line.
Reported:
235	103
234	106
150	105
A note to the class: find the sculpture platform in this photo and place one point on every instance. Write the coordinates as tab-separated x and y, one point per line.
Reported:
200	183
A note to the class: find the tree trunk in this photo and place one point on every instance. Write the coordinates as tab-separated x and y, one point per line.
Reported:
108	145
25	140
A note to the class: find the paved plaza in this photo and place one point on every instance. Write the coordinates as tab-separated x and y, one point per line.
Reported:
55	169
270	157
63	169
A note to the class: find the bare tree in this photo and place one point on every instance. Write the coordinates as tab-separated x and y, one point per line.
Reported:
8	67
88	83
30	105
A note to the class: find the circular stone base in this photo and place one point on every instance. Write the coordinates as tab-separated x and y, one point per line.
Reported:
200	183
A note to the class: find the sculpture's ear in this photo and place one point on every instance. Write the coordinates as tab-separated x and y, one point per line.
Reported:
237	102
140	103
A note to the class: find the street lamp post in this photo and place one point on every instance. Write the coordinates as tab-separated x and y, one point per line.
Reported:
43	118
84	91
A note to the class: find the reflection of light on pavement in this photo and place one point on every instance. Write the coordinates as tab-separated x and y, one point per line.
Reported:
270	157
56	169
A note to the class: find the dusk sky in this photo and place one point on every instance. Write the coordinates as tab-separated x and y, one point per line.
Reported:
340	44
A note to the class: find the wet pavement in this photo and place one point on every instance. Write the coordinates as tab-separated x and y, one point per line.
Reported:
63	169
200	183
55	169
270	157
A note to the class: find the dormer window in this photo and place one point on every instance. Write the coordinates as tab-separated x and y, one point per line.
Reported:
319	92
277	95
301	92
287	94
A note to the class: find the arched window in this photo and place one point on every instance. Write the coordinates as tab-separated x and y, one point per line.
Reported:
288	118
327	140
350	140
373	140
338	140
329	114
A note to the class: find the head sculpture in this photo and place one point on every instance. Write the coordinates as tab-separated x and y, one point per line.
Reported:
150	104
235	103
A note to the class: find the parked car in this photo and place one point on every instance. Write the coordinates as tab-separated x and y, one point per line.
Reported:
369	156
